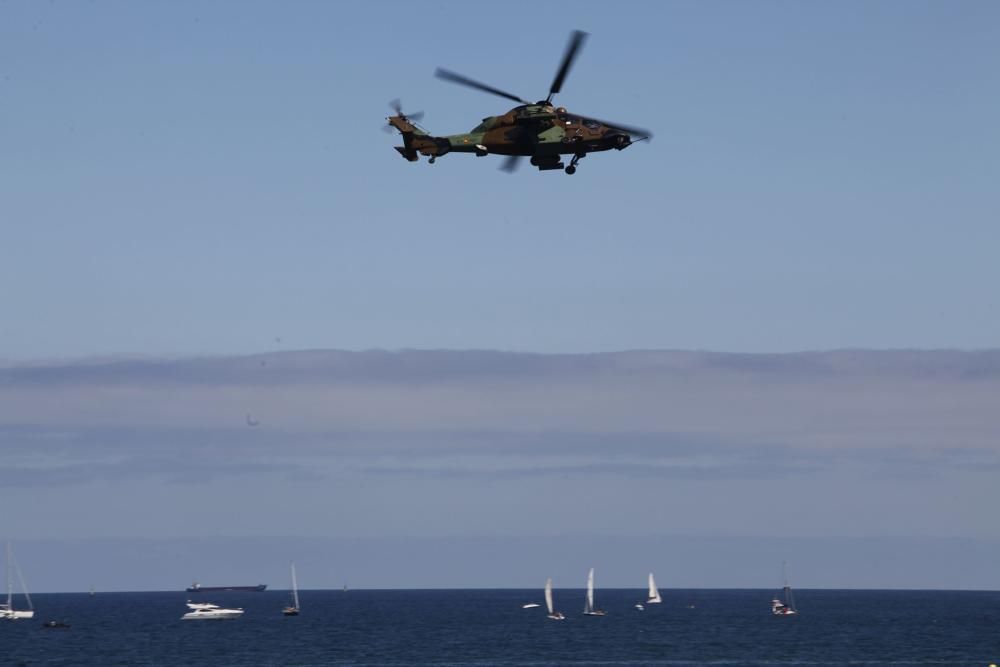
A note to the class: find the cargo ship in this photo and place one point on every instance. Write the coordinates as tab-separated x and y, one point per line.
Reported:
198	588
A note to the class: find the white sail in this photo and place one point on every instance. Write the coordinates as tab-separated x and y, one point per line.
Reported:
7	610
654	593
588	607
554	615
785	607
293	610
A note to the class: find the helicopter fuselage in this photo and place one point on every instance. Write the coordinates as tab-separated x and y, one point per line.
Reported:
533	130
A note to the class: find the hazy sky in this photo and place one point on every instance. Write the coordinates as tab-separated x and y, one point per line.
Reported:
193	177
392	469
205	186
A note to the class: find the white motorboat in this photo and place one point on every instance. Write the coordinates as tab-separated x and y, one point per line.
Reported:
293	609
530	605
208	611
554	615
784	607
654	592
638	605
588	606
7	611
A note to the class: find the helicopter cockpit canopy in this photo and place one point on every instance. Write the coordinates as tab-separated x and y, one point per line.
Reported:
486	125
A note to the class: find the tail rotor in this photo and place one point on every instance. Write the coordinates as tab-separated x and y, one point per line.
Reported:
410	118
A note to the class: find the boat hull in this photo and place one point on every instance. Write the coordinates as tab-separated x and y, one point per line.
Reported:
211	616
226	589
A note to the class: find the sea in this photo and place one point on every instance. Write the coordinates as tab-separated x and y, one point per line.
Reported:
490	627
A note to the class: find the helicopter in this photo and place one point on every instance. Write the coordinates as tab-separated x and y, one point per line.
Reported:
537	130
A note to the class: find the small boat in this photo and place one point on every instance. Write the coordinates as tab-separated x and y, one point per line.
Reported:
207	611
7	611
293	609
784	607
654	592
530	605
55	624
638	605
554	615
588	606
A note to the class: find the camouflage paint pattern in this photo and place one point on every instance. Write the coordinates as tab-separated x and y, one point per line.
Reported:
540	131
534	130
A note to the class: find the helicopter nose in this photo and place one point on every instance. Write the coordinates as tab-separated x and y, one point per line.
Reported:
621	139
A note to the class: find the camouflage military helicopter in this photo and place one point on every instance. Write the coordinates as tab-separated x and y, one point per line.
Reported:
536	130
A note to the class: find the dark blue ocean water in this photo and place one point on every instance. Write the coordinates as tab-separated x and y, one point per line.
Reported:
488	627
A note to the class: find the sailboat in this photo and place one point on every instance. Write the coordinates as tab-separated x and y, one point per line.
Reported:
654	593
588	606
293	610
554	615
784	607
7	611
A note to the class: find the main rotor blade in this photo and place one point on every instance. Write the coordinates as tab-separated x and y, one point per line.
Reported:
575	42
511	164
631	131
465	81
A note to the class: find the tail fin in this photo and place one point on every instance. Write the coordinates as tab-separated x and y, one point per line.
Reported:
417	140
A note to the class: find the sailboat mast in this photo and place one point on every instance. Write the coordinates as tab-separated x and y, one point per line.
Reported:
590	592
789	600
654	592
295	588
10	581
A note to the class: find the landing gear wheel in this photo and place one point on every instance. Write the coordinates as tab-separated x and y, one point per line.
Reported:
571	169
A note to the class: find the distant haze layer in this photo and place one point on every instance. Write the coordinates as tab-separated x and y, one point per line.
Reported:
830	455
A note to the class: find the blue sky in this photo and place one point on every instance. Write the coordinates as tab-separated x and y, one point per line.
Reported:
207	183
192	178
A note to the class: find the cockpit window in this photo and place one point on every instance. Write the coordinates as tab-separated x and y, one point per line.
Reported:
485	125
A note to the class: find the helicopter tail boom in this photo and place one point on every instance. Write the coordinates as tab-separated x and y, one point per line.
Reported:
416	140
